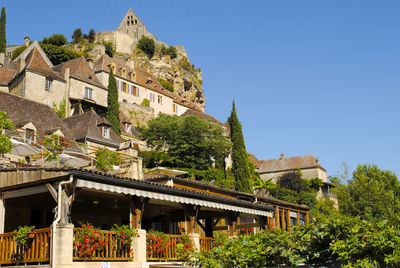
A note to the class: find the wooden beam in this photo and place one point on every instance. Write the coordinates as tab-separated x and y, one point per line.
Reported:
52	191
201	225
298	218
277	224
282	219
288	220
137	205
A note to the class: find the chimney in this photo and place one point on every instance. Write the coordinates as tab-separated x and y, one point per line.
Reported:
26	41
21	64
317	160
90	62
282	156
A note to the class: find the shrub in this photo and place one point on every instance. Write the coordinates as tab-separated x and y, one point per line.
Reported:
54	147
185	247
171	51
22	234
293	181
60	110
91	36
153	159
77	34
106	159
5	142
109	48
147	45
166	84
55	39
17	52
156	243
145	103
217	177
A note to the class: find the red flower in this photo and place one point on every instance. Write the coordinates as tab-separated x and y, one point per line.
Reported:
138	235
220	244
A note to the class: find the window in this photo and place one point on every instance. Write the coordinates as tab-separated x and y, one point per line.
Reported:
124	88
152	97
106	132
127	127
88	93
29	136
48	84
135	91
175	108
160	99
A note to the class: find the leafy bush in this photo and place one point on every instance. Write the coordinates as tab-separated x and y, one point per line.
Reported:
125	234
91	36
76	35
5	142
58	55
156	243
54	147
17	52
153	159
145	103
302	198
185	247
109	48
166	84
147	45
106	159
60	110
293	181
217	177
171	51
22	234
55	39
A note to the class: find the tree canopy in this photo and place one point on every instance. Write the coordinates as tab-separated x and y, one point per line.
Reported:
372	193
3	41
55	39
190	141
147	45
240	160
113	104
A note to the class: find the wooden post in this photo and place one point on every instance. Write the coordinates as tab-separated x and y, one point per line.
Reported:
282	214
191	213
137	205
232	218
2	213
298	218
277	224
288	220
306	216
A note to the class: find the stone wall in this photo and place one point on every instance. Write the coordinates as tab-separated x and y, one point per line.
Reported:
308	173
77	90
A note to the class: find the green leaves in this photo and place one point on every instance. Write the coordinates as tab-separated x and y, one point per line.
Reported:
113	104
147	45
190	141
5	142
106	159
3	43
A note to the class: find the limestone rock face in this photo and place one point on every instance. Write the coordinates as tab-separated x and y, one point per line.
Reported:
185	78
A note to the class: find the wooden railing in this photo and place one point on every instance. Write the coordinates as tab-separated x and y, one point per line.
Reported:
37	248
113	249
168	253
206	243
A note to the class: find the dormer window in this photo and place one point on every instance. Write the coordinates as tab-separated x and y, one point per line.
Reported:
29	136
48	84
106	131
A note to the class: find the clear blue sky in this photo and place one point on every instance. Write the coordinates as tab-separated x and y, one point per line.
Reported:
308	77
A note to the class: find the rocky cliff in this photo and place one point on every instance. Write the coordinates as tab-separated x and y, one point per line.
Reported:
184	77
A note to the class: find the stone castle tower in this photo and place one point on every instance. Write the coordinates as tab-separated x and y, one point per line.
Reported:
128	33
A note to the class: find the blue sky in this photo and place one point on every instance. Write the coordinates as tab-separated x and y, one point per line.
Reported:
308	77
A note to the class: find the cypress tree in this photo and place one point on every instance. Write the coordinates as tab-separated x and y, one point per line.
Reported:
3	42
240	161
113	104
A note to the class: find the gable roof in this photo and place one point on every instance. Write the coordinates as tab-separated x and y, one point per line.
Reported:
6	75
35	62
86	126
202	115
22	111
81	70
29	49
289	163
128	13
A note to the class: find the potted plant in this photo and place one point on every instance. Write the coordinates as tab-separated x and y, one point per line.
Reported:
23	238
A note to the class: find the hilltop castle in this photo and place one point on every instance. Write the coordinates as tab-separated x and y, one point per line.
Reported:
128	33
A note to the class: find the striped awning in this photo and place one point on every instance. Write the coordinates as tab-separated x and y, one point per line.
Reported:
168	197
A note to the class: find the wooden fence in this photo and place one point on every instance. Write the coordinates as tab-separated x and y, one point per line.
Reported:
206	243
37	248
113	249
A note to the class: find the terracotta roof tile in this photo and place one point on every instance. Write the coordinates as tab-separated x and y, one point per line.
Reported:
288	163
35	62
79	69
254	160
6	75
86	126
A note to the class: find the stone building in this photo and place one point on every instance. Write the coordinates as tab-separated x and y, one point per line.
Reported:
127	35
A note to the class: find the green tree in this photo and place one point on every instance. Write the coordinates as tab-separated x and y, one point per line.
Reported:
55	39
5	142
145	102
91	36
58	55
17	52
240	159
3	41
293	181
109	48
54	147
76	35
60	110
105	159
190	141
147	45
372	193
113	104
